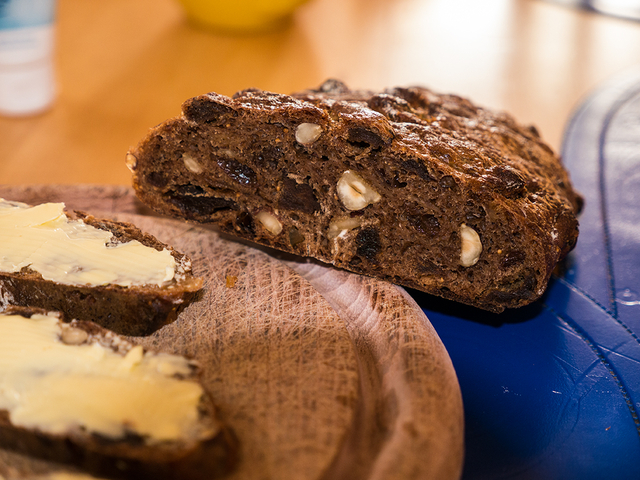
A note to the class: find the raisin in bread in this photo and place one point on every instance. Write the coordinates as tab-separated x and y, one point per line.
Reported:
425	190
41	267
78	394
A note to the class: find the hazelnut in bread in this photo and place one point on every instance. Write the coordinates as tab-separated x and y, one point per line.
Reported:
425	190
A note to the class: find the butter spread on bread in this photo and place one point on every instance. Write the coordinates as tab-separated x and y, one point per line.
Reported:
52	378
69	251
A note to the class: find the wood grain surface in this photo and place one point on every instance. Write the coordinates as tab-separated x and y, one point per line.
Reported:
321	374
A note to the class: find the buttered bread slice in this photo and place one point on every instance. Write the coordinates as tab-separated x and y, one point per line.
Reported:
77	393
90	269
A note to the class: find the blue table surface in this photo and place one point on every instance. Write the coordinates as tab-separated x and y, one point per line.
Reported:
552	390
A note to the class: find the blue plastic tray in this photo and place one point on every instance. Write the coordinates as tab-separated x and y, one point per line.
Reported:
553	390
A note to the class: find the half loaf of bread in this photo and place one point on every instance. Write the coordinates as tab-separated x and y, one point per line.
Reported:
425	190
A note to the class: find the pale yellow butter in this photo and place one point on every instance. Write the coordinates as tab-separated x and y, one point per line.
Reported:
74	253
48	385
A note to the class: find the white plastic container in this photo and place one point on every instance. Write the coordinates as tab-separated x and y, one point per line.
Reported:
27	83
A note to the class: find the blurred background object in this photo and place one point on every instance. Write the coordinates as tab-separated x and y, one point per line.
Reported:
27	83
618	8
247	16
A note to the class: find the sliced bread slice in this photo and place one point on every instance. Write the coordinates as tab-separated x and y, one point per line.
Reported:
93	269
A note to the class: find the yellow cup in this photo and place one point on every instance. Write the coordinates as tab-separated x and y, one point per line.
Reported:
240	15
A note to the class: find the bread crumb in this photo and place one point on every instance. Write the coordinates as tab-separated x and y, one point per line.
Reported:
231	281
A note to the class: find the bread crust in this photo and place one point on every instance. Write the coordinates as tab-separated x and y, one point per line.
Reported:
134	310
437	162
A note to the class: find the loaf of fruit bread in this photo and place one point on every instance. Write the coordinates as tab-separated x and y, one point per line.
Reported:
94	269
425	190
78	394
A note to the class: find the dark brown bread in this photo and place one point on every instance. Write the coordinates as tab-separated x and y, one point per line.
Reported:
200	457
432	168
134	310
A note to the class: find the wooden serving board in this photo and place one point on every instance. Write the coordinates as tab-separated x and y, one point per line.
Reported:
321	374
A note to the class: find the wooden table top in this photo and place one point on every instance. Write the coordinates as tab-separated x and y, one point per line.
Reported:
124	66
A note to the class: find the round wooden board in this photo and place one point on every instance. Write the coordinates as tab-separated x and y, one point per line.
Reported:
321	374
